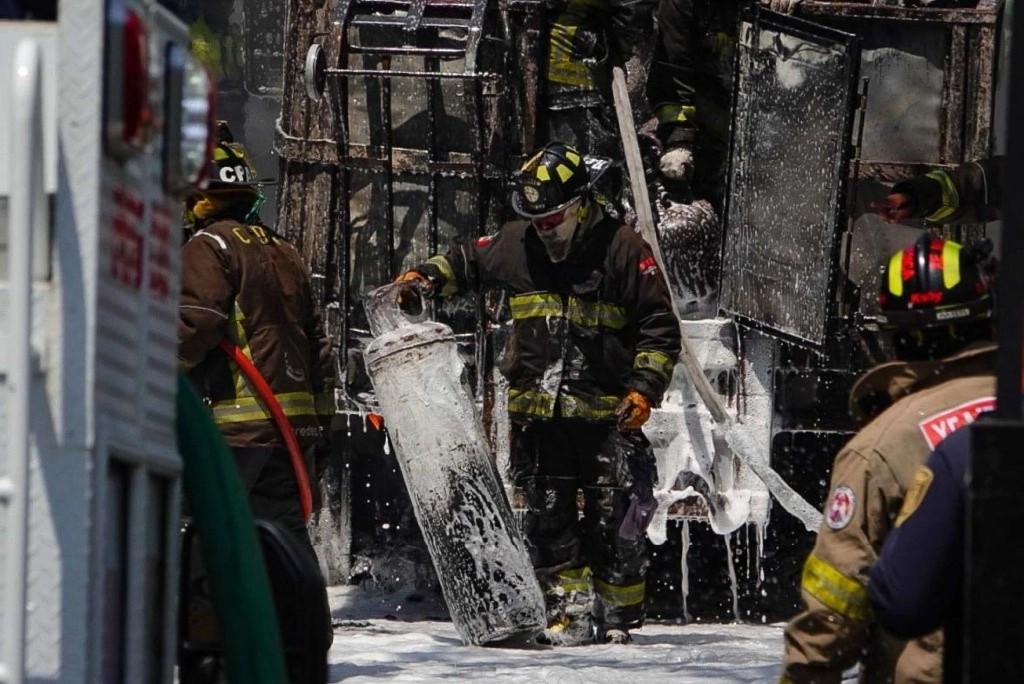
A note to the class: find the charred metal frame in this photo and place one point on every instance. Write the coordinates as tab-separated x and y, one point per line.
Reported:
380	32
968	79
815	33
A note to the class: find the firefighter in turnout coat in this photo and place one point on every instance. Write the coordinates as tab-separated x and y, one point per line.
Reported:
971	192
592	347
935	299
243	282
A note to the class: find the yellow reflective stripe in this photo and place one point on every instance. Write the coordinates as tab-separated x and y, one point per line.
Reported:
574	579
844	595
589	408
572	156
950	264
242	340
596	314
244	409
531	403
675	113
581	312
542	405
564	172
562	68
450	287
323	403
615	595
896	274
950	197
542	173
655	361
535	305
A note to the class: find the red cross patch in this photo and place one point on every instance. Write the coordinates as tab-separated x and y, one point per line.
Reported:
841	505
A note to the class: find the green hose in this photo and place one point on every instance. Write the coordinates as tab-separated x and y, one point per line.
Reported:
218	505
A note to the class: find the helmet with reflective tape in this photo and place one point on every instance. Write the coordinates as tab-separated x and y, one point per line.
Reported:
933	282
231	167
551	179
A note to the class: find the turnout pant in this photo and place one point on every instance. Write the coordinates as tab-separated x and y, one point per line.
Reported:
582	562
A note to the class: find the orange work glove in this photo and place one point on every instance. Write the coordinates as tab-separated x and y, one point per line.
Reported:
410	298
633	411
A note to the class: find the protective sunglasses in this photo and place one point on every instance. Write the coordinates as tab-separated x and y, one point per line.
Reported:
555	217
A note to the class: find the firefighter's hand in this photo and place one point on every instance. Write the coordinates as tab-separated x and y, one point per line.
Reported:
895	208
784	6
633	411
410	298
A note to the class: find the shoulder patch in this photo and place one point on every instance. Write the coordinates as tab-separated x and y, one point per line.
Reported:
648	266
937	427
841	505
484	241
915	494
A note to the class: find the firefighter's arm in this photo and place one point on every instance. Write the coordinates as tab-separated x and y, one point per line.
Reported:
828	635
969	192
657	335
458	270
207	294
632	23
671	87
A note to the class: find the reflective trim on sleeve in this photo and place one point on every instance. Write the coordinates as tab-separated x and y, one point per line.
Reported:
563	66
241	383
840	593
656	361
675	113
615	595
245	409
450	287
950	197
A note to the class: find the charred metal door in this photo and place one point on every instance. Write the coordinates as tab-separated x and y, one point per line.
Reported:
789	157
418	120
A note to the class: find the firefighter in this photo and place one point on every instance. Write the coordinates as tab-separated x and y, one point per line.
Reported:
592	347
242	282
970	192
934	299
585	39
689	88
916	584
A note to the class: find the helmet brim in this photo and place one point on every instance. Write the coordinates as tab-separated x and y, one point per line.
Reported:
517	206
932	317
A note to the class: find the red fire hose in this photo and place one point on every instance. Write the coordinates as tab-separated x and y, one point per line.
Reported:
283	424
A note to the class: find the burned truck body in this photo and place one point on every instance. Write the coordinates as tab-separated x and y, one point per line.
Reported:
401	124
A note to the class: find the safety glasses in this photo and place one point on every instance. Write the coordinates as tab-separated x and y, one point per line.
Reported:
555	217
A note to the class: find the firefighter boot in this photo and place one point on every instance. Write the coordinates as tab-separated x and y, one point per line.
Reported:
569	603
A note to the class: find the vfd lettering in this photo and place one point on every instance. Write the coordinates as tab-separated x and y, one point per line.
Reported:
936	428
